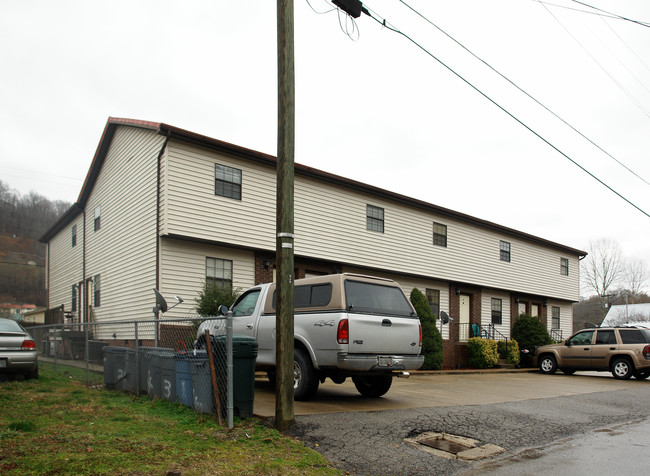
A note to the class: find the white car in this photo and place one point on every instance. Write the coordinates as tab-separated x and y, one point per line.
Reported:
18	352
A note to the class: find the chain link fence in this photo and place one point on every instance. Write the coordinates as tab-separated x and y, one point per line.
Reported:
170	359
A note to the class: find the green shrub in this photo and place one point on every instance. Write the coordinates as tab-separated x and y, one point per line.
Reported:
530	332
212	296
431	338
482	353
509	352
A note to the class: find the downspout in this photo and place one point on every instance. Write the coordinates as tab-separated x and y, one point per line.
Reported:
158	179
82	292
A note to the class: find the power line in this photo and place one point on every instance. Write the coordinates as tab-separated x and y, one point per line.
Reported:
611	76
442	63
524	92
600	13
612	14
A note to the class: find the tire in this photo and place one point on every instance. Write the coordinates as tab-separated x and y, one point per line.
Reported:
642	375
547	365
305	381
373	385
622	368
568	371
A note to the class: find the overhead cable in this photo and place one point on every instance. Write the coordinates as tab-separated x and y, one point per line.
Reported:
458	75
525	92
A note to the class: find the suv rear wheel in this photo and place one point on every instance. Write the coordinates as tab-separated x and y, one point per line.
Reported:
547	364
622	368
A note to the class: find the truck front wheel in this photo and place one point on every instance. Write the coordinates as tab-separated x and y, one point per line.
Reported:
305	382
372	385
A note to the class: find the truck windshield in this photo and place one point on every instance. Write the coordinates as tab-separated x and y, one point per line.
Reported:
245	305
373	298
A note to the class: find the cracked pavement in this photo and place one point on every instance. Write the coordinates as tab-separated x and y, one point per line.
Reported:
372	442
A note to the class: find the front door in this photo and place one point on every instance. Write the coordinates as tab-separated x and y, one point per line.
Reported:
463	318
577	350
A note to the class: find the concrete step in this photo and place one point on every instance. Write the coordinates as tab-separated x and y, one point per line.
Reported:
504	364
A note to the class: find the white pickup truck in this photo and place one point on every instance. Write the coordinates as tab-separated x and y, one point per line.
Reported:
345	325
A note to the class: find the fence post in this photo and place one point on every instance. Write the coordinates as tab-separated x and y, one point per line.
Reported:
87	353
137	359
56	343
229	370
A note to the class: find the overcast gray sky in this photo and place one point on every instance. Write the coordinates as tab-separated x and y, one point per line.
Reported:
370	105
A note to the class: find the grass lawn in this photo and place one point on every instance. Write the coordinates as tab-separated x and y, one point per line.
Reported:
57	425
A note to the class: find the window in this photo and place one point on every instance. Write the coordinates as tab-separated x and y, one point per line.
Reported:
374	218
581	338
632	336
310	295
245	305
74	235
97	290
605	337
439	234
227	182
97	223
369	298
564	266
497	311
73	306
505	251
555	317
433	298
218	272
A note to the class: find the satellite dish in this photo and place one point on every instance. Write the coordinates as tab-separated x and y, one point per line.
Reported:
444	317
161	304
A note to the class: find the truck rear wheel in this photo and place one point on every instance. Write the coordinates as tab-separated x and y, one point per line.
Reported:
372	385
305	382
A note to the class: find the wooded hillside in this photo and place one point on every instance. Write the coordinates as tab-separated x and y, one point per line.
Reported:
23	220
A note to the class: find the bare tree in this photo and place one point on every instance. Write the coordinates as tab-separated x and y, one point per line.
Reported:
635	277
602	269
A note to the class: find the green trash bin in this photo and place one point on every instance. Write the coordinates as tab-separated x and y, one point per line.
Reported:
244	349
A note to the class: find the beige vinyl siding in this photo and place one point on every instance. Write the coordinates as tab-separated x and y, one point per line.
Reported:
123	251
183	271
65	265
486	310
566	317
193	209
330	224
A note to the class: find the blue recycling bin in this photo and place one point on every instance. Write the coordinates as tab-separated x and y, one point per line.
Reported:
168	375
114	366
184	391
201	382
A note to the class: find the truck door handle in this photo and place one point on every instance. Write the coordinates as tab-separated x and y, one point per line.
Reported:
386	323
612	348
249	326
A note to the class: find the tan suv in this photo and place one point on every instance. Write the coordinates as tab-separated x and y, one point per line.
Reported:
623	351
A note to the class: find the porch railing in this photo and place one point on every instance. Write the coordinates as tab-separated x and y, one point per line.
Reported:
556	334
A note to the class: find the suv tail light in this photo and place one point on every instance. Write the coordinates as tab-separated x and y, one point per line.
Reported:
420	326
29	345
646	351
343	332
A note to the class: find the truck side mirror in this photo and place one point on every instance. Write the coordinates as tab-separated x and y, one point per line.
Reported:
223	310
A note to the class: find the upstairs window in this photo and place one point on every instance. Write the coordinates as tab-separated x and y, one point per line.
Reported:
505	251
97	222
374	218
218	272
440	235
497	311
227	182
564	266
74	235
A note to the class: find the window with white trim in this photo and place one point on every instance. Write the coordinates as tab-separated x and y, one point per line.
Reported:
218	272
227	182
374	218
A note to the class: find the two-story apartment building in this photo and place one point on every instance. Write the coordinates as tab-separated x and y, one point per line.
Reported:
165	208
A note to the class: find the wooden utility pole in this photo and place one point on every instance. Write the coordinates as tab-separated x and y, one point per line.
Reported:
284	414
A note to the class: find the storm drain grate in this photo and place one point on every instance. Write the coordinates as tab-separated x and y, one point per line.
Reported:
453	446
444	445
